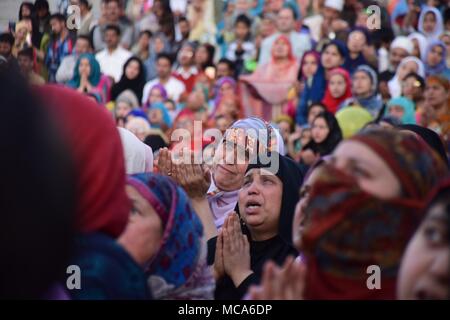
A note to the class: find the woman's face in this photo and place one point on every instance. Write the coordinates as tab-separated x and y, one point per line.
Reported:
370	170
298	224
310	66
201	55
411	88
396	111
155	116
435	94
313	113
122	109
26	12
226	89
425	269
158	44
155	96
331	58
337	86
435	56
132	70
362	84
429	22
280	49
356	41
260	201
84	68
406	68
319	130
229	167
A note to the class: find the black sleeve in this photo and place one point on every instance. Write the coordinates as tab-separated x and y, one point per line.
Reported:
211	250
245	285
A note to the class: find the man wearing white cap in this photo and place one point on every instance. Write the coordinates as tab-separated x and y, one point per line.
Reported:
327	23
400	48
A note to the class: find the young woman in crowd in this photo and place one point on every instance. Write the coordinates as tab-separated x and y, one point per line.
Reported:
133	78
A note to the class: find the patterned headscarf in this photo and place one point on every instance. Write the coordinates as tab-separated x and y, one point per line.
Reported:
350	229
179	269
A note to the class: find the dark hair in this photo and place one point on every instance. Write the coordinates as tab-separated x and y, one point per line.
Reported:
114	28
38	198
41	4
314	104
183	19
119	2
242	18
289	7
333	138
446	15
228	62
417	77
166	56
86	3
58	16
29	5
87	38
27	52
7	37
211	51
147	32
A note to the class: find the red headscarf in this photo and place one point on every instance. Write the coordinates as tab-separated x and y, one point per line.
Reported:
329	101
287	41
97	153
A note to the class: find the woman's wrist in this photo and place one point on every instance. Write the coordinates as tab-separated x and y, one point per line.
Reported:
239	276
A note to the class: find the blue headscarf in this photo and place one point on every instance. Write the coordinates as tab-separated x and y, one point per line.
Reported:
441	67
165	114
94	76
138	113
179	258
407	105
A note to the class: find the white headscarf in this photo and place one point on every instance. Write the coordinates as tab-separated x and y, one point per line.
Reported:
423	43
439	23
395	86
138	155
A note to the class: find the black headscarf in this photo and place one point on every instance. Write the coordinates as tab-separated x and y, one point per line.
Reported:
331	141
429	136
136	85
291	176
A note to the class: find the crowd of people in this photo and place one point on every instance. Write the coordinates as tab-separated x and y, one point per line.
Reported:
341	115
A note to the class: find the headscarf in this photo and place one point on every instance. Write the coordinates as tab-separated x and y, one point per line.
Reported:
291	176
403	43
165	114
218	86
329	101
333	138
94	76
422	41
373	103
429	136
442	65
138	113
316	56
351	64
129	98
409	115
98	157
341	47
394	84
439	23
350	229
161	89
136	85
138	155
178	270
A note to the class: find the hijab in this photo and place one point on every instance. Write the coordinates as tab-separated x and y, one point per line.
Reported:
331	102
138	155
350	229
373	103
94	75
441	67
439	23
409	115
165	114
316	56
136	85
395	87
179	269
333	138
162	91
422	41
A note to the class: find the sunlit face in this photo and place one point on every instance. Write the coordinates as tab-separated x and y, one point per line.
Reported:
435	56
319	130
260	201
298	224
309	67
429	22
337	85
280	49
331	58
397	55
122	109
396	111
356	41
425	269
314	112
370	170
406	68
362	84
84	68
435	94
132	70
